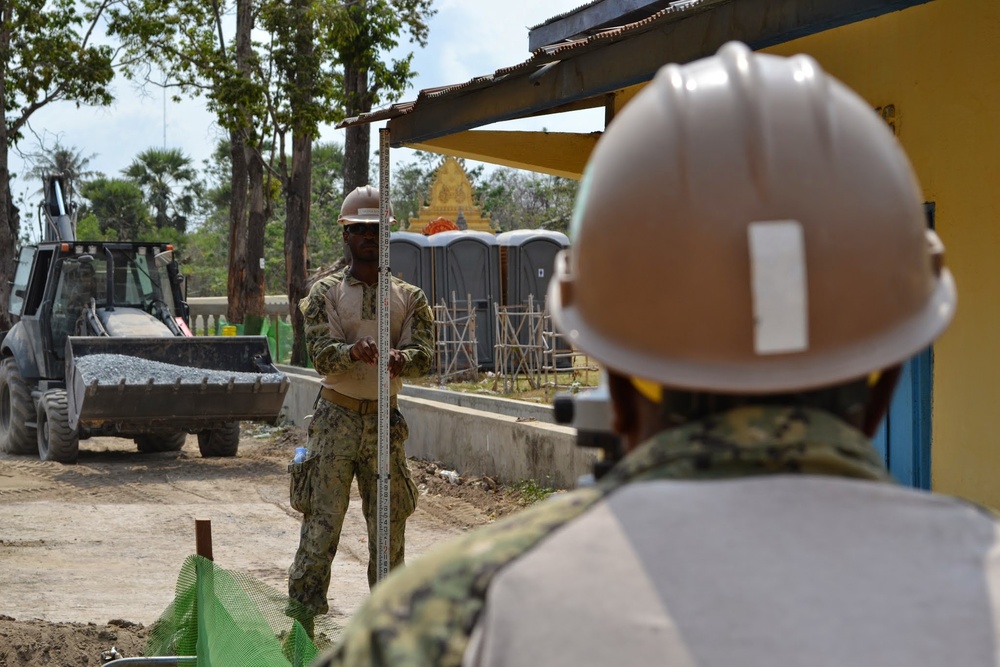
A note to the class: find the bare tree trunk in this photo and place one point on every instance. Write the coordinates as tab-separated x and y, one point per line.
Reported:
298	202
239	275
358	138
8	222
9	229
298	191
253	288
237	229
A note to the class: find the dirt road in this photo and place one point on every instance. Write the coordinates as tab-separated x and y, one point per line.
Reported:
104	539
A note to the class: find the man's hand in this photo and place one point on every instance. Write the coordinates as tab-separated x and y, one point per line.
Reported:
396	362
365	351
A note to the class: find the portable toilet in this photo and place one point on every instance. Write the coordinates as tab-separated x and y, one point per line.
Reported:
527	259
466	265
410	259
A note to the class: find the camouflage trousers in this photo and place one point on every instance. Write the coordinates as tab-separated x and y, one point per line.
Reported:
346	444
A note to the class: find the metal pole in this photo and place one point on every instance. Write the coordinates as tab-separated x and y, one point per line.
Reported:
384	279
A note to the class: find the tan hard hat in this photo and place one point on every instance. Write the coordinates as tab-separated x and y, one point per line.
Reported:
362	206
747	224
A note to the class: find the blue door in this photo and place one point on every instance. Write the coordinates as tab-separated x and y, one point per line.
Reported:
904	439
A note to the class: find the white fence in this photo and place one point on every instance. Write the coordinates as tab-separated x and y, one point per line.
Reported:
208	312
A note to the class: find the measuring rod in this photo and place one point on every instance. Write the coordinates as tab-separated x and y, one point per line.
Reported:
384	346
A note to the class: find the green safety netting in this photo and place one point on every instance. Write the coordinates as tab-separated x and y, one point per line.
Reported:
230	619
278	332
279	338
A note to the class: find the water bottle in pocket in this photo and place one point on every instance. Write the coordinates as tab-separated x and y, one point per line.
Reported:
300	486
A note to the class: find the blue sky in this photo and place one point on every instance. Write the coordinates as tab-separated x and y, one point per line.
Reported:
468	38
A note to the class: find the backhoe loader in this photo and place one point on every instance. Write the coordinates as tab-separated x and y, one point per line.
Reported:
101	346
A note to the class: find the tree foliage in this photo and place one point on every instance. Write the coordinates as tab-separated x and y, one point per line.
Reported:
208	244
46	56
188	41
325	242
364	35
170	183
67	161
411	184
119	208
526	200
303	97
515	199
202	52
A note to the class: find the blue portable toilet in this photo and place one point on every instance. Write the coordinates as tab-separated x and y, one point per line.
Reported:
527	259
466	265
410	258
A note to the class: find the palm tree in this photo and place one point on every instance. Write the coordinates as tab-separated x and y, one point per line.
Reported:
118	207
68	162
170	183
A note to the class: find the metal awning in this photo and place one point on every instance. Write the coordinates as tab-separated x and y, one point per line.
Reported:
592	17
600	70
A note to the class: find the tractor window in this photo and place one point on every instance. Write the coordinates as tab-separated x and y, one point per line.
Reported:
37	282
77	286
128	292
21	275
137	281
154	283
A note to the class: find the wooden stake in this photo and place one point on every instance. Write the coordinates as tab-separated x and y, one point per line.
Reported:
203	538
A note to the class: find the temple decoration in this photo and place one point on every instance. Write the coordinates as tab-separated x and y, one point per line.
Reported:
451	199
439	225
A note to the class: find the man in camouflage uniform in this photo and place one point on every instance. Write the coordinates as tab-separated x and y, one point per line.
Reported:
750	263
341	331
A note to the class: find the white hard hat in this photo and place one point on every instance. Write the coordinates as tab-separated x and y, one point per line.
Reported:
748	224
361	206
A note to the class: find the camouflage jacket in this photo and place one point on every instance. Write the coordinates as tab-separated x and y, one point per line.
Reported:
330	351
424	613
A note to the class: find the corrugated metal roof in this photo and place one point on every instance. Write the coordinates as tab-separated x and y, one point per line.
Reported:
591	18
583	73
557	17
538	60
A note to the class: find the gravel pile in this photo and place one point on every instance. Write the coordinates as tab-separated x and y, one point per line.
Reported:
112	368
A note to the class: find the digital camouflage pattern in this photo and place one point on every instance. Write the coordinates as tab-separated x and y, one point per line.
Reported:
346	445
331	356
424	614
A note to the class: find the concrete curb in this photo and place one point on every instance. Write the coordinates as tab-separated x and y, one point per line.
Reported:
510	441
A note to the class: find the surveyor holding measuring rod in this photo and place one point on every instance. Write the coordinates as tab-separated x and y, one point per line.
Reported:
342	329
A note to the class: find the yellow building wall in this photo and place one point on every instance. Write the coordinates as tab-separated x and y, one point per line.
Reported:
938	64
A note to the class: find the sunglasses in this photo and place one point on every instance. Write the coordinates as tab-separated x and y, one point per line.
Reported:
363	230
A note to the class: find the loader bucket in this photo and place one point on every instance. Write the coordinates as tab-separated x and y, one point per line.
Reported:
141	385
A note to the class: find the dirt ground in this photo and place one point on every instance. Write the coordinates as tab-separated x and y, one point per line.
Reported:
89	553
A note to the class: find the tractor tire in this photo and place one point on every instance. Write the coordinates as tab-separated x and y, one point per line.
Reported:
160	442
222	441
16	411
56	440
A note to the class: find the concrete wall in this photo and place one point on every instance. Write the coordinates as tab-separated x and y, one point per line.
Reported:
936	64
510	441
494	404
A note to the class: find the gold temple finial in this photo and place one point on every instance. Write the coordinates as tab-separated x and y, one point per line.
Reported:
451	198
